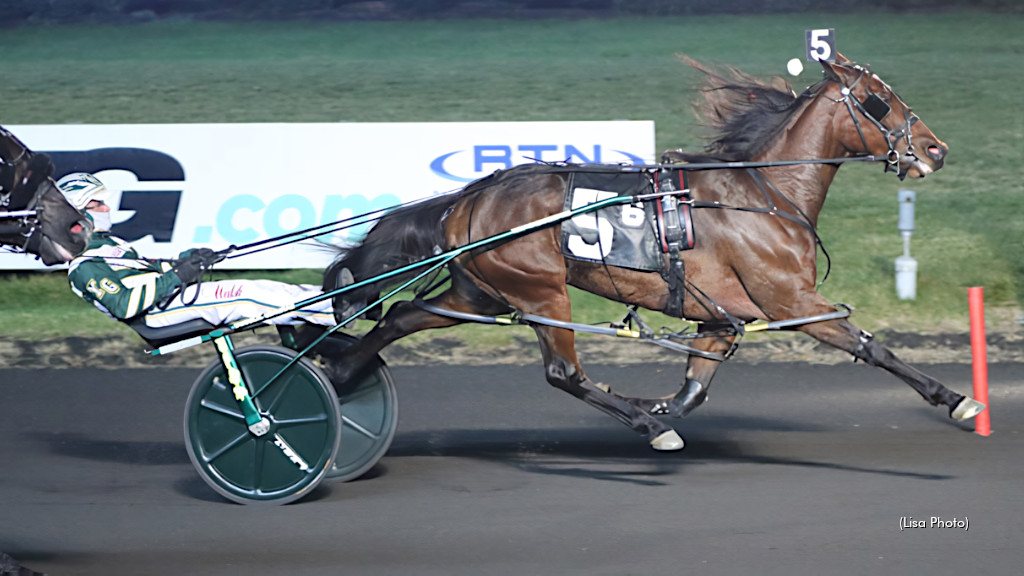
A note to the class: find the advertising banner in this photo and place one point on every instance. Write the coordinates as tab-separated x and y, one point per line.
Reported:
179	186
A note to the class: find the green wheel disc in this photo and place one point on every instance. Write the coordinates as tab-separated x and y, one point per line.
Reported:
288	461
369	413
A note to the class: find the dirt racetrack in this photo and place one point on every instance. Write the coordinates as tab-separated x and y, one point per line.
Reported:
790	469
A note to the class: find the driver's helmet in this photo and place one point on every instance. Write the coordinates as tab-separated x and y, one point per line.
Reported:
80	188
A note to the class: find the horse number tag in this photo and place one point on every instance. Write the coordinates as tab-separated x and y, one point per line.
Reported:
821	45
619	236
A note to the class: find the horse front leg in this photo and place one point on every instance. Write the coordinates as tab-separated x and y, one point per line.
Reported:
563	371
699	372
862	345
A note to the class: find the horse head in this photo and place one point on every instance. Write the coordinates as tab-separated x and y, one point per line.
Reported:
879	123
35	215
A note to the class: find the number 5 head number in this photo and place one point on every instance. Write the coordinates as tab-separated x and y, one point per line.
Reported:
821	44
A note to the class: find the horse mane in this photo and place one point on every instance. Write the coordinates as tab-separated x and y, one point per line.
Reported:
742	113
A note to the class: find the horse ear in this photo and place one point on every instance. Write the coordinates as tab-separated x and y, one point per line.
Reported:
41	164
832	70
839	69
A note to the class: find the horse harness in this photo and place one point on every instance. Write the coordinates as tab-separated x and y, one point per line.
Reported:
671	230
25	196
675	229
647	234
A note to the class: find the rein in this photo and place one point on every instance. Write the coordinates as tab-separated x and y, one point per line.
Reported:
765	185
313	232
719	165
373	216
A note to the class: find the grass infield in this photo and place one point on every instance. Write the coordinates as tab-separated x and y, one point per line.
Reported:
962	72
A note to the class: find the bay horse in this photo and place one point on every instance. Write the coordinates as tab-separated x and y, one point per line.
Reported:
34	215
744	266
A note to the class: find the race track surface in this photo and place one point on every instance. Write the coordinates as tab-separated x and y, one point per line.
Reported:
790	469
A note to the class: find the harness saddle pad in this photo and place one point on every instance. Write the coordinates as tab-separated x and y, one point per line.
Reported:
624	235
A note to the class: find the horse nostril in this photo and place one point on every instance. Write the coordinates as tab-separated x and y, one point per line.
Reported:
936	152
77	228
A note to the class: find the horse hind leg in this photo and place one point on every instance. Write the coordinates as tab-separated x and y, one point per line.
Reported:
862	345
402	319
693	391
564	372
405	318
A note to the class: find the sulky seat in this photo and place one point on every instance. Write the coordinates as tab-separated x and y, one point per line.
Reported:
157	337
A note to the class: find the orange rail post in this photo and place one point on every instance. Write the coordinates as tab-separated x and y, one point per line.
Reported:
976	307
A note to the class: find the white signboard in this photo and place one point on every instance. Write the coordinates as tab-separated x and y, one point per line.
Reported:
179	186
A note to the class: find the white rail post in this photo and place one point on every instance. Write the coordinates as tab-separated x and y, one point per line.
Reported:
906	266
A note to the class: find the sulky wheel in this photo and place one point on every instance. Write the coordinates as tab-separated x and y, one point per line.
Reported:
288	461
369	412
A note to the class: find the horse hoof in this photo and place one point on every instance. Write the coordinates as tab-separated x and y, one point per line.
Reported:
667	441
967	408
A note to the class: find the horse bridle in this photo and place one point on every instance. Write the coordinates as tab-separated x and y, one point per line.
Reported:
875	109
27	217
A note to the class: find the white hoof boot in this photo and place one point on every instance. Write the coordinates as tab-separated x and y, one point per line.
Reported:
967	408
668	441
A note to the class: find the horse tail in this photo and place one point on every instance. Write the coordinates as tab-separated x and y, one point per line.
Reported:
403	236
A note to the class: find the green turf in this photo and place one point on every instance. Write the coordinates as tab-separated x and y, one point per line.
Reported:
962	72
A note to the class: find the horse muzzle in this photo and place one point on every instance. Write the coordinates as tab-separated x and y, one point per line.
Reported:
53	253
917	167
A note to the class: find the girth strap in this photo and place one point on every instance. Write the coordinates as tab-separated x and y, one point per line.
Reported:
675	276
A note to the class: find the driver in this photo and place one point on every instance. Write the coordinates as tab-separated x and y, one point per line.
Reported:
116	279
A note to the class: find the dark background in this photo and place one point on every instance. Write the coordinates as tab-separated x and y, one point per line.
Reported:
33	12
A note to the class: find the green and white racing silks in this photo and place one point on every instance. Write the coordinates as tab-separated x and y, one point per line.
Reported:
112	275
